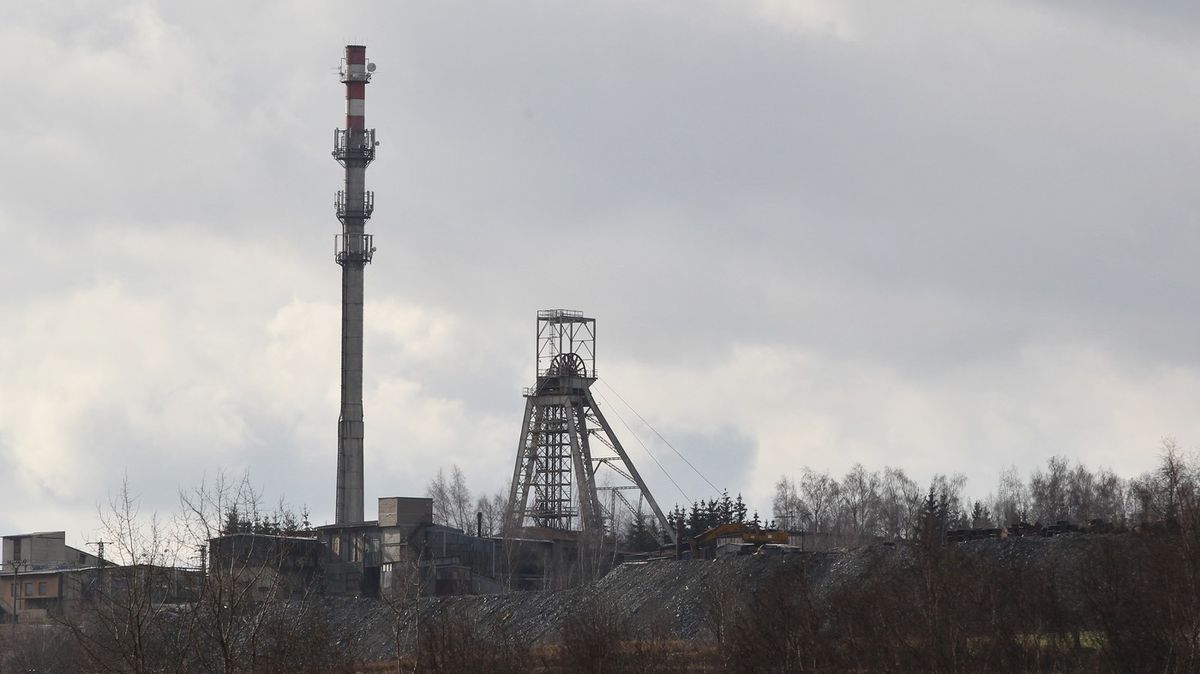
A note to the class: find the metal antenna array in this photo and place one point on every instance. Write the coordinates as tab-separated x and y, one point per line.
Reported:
354	149
555	480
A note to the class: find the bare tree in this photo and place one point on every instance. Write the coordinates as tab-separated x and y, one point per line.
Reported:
452	502
252	602
439	491
220	635
1081	495
820	493
1012	498
1110	497
493	510
462	515
400	590
779	622
1049	490
44	651
899	504
859	500
1161	495
787	508
118	615
452	642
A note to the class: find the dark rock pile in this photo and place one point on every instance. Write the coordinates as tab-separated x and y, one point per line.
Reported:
668	598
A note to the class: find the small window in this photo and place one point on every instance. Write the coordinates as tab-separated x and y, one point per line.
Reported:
29	589
14	589
41	587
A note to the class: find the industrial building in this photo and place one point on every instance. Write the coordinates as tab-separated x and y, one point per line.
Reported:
404	545
44	550
268	566
402	550
33	573
42	578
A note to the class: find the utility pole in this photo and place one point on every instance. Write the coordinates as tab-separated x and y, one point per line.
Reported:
100	549
99	584
679	539
17	591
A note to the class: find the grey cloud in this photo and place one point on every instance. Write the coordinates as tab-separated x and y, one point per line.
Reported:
907	200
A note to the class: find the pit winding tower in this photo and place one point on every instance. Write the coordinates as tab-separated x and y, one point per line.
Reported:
354	149
560	472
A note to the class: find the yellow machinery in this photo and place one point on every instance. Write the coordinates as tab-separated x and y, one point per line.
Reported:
738	533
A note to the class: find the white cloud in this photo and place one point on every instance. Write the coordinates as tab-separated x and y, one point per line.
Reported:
804	408
805	16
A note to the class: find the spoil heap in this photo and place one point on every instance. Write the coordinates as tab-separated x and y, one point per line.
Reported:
672	598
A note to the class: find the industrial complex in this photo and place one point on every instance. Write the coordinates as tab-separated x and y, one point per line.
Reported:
571	475
555	503
911	287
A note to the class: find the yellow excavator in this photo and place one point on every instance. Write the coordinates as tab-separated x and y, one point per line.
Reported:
735	533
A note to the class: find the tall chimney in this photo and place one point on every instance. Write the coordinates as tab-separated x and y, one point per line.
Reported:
354	148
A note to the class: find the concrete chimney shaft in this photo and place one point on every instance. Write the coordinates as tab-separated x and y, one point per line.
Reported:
354	148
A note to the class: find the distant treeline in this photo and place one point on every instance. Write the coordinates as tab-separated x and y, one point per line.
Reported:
865	505
887	503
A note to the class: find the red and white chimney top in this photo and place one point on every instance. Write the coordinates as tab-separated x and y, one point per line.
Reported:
356	72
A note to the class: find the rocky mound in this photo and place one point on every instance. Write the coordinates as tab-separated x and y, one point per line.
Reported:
670	598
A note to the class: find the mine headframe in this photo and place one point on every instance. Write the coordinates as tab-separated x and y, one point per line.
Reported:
568	453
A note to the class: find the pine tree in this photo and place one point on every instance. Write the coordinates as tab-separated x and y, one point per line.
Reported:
233	522
945	511
726	508
677	518
980	519
931	523
289	525
634	530
640	535
695	520
739	510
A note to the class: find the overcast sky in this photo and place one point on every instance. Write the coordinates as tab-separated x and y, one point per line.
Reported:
944	236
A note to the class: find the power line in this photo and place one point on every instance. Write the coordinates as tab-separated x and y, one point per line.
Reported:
644	447
716	490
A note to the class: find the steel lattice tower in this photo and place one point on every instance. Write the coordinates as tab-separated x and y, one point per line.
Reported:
354	149
555	480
